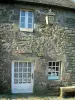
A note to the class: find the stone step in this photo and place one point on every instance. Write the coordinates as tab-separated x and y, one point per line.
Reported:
52	93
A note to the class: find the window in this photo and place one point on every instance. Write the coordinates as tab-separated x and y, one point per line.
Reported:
26	21
53	70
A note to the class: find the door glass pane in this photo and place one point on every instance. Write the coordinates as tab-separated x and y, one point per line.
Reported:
24	69
20	81
20	75
15	81
20	64
15	75
25	64
20	69
15	69
29	75
16	64
24	80
29	64
29	80
24	75
29	69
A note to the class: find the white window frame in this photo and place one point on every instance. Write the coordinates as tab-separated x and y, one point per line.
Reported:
26	21
54	77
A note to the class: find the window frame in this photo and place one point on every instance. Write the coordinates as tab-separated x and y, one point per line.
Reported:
26	19
55	70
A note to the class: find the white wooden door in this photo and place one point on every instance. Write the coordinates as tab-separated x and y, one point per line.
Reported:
22	77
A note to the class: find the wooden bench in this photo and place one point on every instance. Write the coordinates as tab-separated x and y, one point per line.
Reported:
67	89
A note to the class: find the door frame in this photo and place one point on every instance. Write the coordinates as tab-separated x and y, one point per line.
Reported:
12	72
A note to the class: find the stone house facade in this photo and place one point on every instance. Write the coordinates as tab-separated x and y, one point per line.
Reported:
37	57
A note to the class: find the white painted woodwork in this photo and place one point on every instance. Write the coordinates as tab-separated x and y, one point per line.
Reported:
22	77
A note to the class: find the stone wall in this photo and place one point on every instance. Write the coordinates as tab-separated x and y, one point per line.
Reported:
46	43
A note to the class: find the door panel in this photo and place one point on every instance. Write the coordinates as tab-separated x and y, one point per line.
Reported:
22	80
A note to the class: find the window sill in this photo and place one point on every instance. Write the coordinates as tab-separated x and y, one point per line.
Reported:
57	80
26	29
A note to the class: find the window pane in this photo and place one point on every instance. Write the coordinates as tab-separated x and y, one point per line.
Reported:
29	64
50	67
29	69
20	64
50	63
49	73
16	64
29	25
29	75
20	75
22	13
25	64
53	74
53	63
24	80
20	80
30	14
15	75
24	75
22	19
57	63
22	25
15	81
57	73
24	69
15	69
57	68
29	20
20	69
53	68
29	80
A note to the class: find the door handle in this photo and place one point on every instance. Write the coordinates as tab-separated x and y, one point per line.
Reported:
32	75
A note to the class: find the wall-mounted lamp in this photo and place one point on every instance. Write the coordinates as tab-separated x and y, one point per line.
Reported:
50	17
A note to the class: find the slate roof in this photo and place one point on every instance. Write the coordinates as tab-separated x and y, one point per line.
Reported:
62	3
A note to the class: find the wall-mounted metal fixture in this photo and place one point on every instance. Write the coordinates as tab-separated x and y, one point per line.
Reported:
50	17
